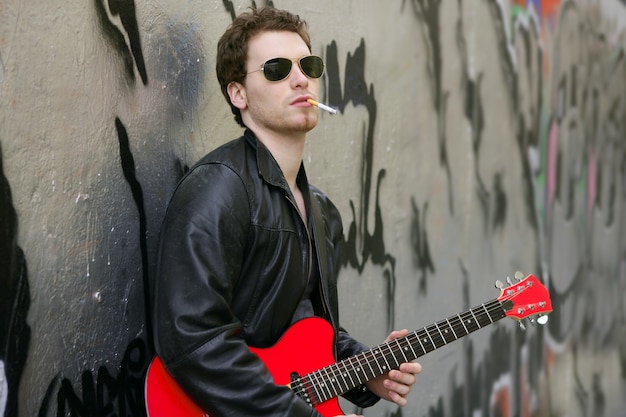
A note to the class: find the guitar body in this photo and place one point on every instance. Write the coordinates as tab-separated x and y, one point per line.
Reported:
304	348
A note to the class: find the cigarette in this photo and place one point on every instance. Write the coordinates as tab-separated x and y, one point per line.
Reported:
322	106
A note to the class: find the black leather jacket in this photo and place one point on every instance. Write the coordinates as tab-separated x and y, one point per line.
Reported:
234	260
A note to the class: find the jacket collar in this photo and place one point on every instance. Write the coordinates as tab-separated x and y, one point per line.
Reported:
269	169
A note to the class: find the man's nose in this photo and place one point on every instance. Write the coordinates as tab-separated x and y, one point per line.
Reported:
297	77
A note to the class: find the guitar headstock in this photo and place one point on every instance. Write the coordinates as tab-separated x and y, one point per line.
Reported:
526	298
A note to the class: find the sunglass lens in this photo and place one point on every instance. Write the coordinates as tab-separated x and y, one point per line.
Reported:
277	69
312	66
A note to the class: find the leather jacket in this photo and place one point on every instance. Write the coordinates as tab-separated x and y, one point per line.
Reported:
234	259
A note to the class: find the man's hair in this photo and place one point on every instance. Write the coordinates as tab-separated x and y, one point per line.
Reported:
232	48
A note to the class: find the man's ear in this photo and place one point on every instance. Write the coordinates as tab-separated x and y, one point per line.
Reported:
237	93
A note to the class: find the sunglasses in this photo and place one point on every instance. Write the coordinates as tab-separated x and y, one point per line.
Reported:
277	69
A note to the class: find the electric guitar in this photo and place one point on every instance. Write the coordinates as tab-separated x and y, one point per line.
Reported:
303	357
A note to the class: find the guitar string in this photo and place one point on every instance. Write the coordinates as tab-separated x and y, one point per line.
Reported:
386	350
369	356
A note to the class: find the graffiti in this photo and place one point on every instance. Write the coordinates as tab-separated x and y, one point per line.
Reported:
419	242
358	235
230	7
581	191
581	130
128	167
14	303
428	14
125	39
120	395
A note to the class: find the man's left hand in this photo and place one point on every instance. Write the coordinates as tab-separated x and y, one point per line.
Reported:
395	385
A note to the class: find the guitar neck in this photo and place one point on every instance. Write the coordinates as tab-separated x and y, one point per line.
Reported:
341	377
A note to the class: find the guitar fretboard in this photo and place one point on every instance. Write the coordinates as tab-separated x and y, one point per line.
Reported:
341	377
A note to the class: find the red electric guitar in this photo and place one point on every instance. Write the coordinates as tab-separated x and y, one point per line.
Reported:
305	351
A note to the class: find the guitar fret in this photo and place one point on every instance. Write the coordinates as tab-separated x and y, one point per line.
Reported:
387	347
329	384
421	345
362	360
324	390
358	373
461	320
401	350
452	329
475	319
426	340
435	336
346	373
488	315
369	364
337	378
441	334
317	394
457	324
376	354
415	355
392	356
446	331
358	369
470	322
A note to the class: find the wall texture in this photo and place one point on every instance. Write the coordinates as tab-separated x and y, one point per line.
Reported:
474	138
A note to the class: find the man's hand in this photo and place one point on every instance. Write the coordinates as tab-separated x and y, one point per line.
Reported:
395	385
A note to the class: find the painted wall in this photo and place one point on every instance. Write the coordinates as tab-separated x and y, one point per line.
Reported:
474	139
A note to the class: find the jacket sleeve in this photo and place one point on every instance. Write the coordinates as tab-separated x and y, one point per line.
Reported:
197	337
346	345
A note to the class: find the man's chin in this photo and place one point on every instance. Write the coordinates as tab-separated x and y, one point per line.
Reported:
308	124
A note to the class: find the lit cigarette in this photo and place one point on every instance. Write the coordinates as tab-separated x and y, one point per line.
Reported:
322	106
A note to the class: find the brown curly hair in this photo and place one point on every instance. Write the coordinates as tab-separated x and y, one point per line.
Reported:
232	48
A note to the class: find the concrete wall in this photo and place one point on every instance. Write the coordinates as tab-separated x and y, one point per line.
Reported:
475	138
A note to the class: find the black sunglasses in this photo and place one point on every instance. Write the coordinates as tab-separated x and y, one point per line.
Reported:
277	69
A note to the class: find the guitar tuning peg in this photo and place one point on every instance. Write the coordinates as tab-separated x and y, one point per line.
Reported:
522	325
499	284
542	319
508	280
519	276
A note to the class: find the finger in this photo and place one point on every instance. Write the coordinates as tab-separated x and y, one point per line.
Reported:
401	385
397	398
411	367
398	387
396	334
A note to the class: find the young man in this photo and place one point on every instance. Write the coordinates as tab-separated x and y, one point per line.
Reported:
248	246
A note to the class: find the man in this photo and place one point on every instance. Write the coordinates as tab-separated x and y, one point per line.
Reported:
248	247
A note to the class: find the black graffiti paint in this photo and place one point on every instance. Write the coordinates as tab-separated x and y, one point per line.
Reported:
128	168
130	52
359	236
499	202
428	15
105	395
419	243
14	298
230	7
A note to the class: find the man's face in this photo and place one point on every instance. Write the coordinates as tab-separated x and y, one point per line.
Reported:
278	106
